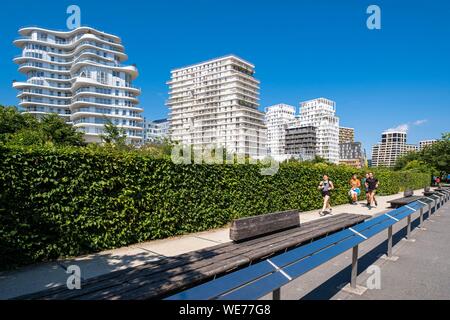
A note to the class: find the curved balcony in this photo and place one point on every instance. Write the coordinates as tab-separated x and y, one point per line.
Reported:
25	103
99	114
22	85
43	113
44	95
132	70
79	82
100	122
68	45
24	58
91	93
27	67
26	31
81	46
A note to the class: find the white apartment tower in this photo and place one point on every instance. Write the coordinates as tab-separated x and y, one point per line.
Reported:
215	103
321	113
79	76
277	118
393	146
426	143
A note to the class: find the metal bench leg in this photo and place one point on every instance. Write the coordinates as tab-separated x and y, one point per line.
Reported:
408	228
388	256
354	267
352	287
421	218
389	251
276	295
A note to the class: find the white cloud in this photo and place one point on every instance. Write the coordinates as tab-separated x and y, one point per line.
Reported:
405	127
420	122
401	128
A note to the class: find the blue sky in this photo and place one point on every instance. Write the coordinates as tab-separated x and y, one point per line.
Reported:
302	49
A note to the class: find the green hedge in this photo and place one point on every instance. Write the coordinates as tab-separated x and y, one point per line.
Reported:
68	202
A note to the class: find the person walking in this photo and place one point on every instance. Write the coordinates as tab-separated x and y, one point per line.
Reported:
355	190
372	185
366	188
325	186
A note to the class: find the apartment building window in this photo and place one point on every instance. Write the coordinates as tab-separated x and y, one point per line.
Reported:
101	77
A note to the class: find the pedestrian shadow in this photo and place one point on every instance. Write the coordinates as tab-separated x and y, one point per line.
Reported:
328	289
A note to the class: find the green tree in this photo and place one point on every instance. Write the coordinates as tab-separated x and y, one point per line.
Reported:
402	162
435	157
114	136
11	121
159	149
438	154
58	132
23	129
27	137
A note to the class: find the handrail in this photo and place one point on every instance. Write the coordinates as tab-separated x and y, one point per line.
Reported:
271	274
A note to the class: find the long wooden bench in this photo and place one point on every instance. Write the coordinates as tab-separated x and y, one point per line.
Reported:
159	279
271	274
408	197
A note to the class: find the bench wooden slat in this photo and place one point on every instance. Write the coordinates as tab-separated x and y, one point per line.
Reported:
404	201
251	227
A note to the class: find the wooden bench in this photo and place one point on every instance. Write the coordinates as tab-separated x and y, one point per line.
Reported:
170	275
437	192
408	197
270	275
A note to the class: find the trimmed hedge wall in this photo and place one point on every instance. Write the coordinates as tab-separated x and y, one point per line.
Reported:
68	202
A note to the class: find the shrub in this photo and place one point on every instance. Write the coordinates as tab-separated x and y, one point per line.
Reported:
57	202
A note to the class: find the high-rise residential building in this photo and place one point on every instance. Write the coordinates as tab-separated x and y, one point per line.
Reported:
426	143
79	76
352	154
393	145
346	135
277	118
411	148
301	142
156	130
321	113
216	103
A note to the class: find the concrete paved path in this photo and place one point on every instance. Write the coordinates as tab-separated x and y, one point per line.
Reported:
38	277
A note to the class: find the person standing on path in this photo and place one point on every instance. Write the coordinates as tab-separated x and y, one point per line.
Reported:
372	185
355	190
325	186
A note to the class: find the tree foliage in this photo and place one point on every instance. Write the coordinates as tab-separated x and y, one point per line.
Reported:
23	129
114	136
434	159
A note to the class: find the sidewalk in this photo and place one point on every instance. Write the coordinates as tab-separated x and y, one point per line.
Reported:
46	275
